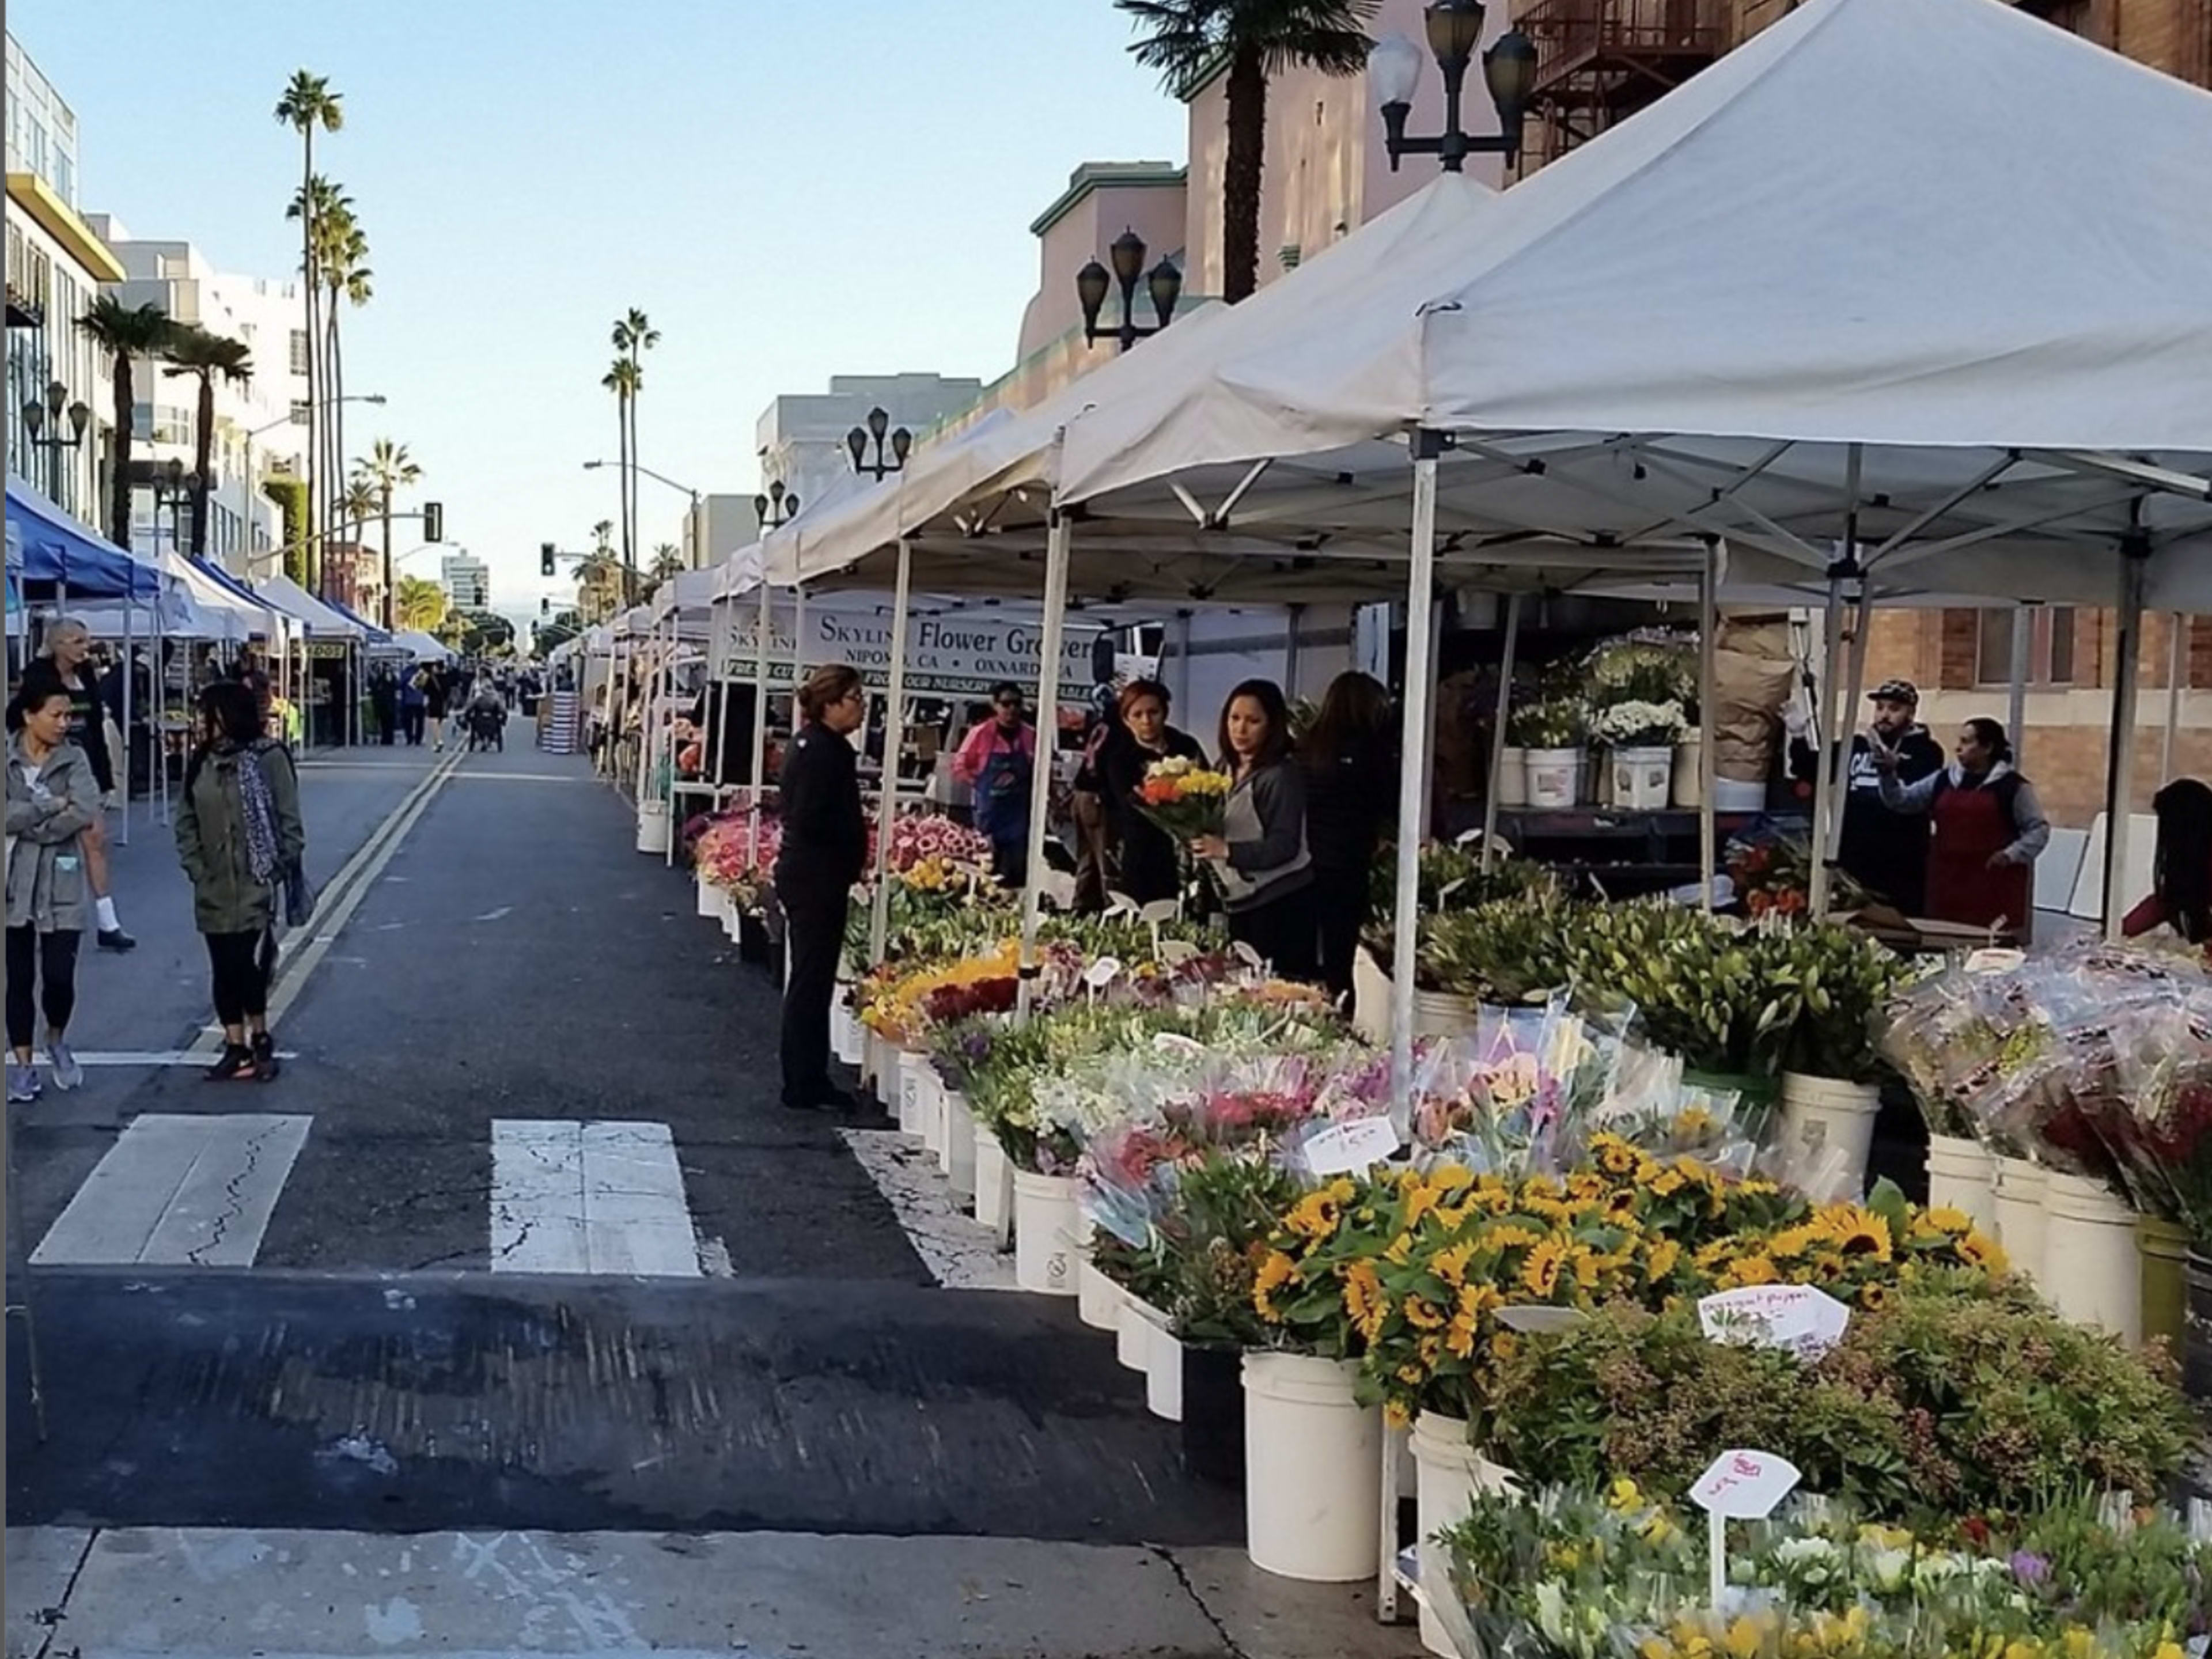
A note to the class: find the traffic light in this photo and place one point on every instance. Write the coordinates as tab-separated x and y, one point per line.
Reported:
545	558
434	522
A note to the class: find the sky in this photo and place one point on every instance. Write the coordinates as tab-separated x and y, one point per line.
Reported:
790	190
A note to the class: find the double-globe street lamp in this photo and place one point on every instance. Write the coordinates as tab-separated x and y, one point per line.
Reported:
777	509
57	405
858	440
1454	30
1163	284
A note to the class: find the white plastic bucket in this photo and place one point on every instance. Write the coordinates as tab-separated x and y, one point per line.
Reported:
2092	1270
898	1091
1163	1373
1312	1470
928	1104
653	828
959	1143
1371	998
1439	1013
1098	1298
2019	1214
847	1037
1642	778
994	1188
1689	790
1513	777
1962	1175
1828	1127
1736	795
707	898
734	919
1133	1332
1552	778
1048	1227
1448	1471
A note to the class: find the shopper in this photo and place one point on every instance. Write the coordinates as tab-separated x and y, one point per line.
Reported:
437	703
67	655
413	698
2181	871
1988	828
1151	866
998	761
824	851
240	837
1267	873
1885	852
1351	766
384	700
1096	848
52	800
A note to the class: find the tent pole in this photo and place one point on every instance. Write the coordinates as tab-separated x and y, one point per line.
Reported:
718	667
1060	536
1420	614
1824	724
1709	652
879	904
2177	678
123	759
1497	734
760	719
2120	774
160	698
1290	652
1861	627
668	693
1182	661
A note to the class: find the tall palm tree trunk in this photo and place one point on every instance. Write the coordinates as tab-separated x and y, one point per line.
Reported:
621	428
1242	169
319	483
388	611
335	384
118	487
636	536
202	465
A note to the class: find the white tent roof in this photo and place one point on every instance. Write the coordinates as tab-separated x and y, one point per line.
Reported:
688	591
194	604
294	600
422	646
1932	263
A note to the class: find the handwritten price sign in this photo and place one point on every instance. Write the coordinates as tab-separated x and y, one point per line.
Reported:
1739	1485
1803	1317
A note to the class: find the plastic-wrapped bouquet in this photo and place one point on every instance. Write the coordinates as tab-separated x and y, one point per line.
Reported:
1185	798
925	837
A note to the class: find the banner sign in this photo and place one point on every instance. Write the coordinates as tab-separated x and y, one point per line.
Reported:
327	650
961	655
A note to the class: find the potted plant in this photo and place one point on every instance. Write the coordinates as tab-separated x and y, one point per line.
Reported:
1640	737
1551	734
1828	983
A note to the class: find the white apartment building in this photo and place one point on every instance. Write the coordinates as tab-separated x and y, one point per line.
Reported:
467	581
56	263
801	435
264	418
717	527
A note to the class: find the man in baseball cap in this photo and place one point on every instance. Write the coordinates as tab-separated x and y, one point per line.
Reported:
1885	852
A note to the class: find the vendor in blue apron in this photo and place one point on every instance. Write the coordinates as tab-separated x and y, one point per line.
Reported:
997	762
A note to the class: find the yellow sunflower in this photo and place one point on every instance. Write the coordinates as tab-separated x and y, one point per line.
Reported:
1363	1299
1792	1242
1614	1155
1423	1314
1667	1183
1315	1215
1983	1253
1948	1218
1459	1339
1873	1296
1477	1300
1750	1270
1540	1273
1660	1259
1857	1232
1277	1271
1450	1265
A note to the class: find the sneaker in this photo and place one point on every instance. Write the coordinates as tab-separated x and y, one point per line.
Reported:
23	1083
264	1056
236	1066
68	1073
114	938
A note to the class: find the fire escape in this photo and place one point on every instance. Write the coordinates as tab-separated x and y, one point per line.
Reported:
1599	61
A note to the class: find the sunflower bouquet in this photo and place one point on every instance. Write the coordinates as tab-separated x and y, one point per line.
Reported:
1183	798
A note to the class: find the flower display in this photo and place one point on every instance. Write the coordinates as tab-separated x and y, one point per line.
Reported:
1183	798
728	856
1637	725
931	838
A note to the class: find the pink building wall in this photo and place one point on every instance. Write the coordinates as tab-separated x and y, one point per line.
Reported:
1102	208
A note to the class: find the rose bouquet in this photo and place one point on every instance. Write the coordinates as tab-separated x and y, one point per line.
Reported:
926	837
1183	798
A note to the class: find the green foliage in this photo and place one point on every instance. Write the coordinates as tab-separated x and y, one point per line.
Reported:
290	496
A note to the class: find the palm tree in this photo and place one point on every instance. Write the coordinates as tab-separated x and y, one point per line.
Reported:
667	561
420	605
357	509
193	351
386	467
623	380
324	210
636	334
309	103
342	256
598	572
1187	39
126	333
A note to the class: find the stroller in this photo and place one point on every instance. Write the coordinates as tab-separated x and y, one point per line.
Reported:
487	722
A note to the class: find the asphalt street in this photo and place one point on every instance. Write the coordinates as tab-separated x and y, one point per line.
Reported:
366	1300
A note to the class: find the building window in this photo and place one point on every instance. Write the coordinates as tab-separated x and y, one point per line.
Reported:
299	351
300	408
2049	651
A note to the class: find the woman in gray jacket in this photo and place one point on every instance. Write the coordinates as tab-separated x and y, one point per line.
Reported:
52	798
1267	874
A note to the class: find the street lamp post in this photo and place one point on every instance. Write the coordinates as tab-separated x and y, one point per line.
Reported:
57	405
1454	30
173	487
859	437
377	397
660	478
1163	284
777	509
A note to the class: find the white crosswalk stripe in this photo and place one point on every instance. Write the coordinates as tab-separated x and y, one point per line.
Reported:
180	1190
589	1198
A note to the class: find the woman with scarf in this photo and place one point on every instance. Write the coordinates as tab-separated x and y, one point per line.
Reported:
240	838
1989	830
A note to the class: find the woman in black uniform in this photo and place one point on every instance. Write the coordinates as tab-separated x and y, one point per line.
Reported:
822	853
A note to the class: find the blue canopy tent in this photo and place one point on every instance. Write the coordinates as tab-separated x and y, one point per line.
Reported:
48	549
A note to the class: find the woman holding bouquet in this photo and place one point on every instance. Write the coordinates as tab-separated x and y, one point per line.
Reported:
1149	869
1266	875
823	852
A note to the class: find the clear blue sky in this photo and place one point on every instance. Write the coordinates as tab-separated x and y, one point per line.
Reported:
789	190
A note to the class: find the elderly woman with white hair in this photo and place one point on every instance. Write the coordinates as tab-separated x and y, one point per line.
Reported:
68	646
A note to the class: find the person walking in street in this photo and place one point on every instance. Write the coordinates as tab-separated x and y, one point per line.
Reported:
412	702
1267	873
1351	766
67	656
997	761
437	703
824	852
2181	868
52	800
384	700
1988	829
1150	867
1885	852
240	837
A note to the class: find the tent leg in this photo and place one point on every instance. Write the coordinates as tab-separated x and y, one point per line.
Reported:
1709	652
753	773
1497	734
2177	678
2120	774
1824	727
718	669
879	904
1861	624
1412	801
1058	540
2023	647
122	761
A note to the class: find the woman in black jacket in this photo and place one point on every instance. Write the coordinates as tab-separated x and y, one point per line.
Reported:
1149	870
823	852
1351	768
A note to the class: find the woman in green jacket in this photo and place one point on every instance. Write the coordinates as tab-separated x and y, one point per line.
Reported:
240	835
52	798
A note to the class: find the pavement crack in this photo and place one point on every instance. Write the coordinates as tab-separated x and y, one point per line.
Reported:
51	1617
1229	1645
234	1195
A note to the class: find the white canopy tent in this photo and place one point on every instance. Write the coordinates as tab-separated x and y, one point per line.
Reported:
420	646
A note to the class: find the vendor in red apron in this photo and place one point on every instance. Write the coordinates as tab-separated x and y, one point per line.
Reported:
1988	828
998	761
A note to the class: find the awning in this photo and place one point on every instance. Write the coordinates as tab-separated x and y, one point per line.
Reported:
295	601
46	545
